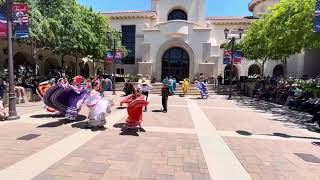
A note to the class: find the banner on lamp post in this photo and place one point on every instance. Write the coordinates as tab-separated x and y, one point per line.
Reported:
20	20
317	17
109	57
118	57
3	22
237	57
227	57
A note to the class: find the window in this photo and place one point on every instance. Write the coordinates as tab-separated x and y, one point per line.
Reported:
129	42
177	14
120	71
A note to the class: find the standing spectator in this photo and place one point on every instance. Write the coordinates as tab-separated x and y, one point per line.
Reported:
145	87
220	79
165	95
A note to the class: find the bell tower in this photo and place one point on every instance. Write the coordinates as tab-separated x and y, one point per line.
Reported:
259	7
195	9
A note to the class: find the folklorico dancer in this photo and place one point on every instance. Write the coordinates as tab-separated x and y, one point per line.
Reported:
185	86
203	88
98	107
135	102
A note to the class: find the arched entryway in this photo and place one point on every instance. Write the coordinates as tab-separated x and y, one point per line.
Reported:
176	63
278	71
227	72
254	69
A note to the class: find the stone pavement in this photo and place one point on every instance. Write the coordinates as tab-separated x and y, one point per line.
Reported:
196	140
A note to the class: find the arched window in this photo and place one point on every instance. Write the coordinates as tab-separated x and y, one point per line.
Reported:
177	14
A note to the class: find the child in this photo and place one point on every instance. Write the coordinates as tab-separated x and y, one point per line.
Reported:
99	108
3	115
165	94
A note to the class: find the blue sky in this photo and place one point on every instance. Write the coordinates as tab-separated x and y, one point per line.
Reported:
214	7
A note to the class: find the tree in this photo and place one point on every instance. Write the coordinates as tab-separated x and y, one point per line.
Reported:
287	30
255	45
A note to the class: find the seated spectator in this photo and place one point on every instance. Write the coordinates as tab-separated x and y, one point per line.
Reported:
3	115
2	88
20	90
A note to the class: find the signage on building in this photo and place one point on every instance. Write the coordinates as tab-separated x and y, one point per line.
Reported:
20	19
317	17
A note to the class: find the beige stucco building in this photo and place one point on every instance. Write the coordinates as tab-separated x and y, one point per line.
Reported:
173	38
176	38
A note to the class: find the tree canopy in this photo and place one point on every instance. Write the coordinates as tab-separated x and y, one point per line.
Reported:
67	28
285	31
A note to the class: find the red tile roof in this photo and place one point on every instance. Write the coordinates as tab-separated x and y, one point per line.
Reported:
129	11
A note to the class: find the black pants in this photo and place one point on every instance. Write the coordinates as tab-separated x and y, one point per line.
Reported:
146	94
165	104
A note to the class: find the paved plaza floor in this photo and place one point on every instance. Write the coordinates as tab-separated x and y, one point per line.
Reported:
196	140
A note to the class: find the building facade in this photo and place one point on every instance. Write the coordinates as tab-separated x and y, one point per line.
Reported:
175	38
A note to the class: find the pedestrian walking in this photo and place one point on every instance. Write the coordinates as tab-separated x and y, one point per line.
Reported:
185	86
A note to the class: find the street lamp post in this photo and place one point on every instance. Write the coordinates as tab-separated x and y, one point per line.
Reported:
114	62
12	96
232	42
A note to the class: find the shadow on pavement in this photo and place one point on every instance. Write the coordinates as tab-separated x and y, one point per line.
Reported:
62	122
84	125
282	135
119	125
39	116
130	132
293	119
121	108
157	111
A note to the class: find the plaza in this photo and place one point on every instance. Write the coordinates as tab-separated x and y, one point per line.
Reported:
267	128
197	139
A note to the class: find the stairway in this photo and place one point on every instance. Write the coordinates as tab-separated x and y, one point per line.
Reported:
212	89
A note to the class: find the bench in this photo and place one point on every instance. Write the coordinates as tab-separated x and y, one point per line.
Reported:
30	97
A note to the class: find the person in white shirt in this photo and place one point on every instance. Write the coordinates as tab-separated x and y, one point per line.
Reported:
145	87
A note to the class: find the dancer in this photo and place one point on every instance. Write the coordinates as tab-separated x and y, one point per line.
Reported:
185	86
98	107
145	87
174	84
42	90
67	99
171	87
135	103
202	87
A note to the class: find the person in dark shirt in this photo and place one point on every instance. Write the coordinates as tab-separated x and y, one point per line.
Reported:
165	95
2	88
